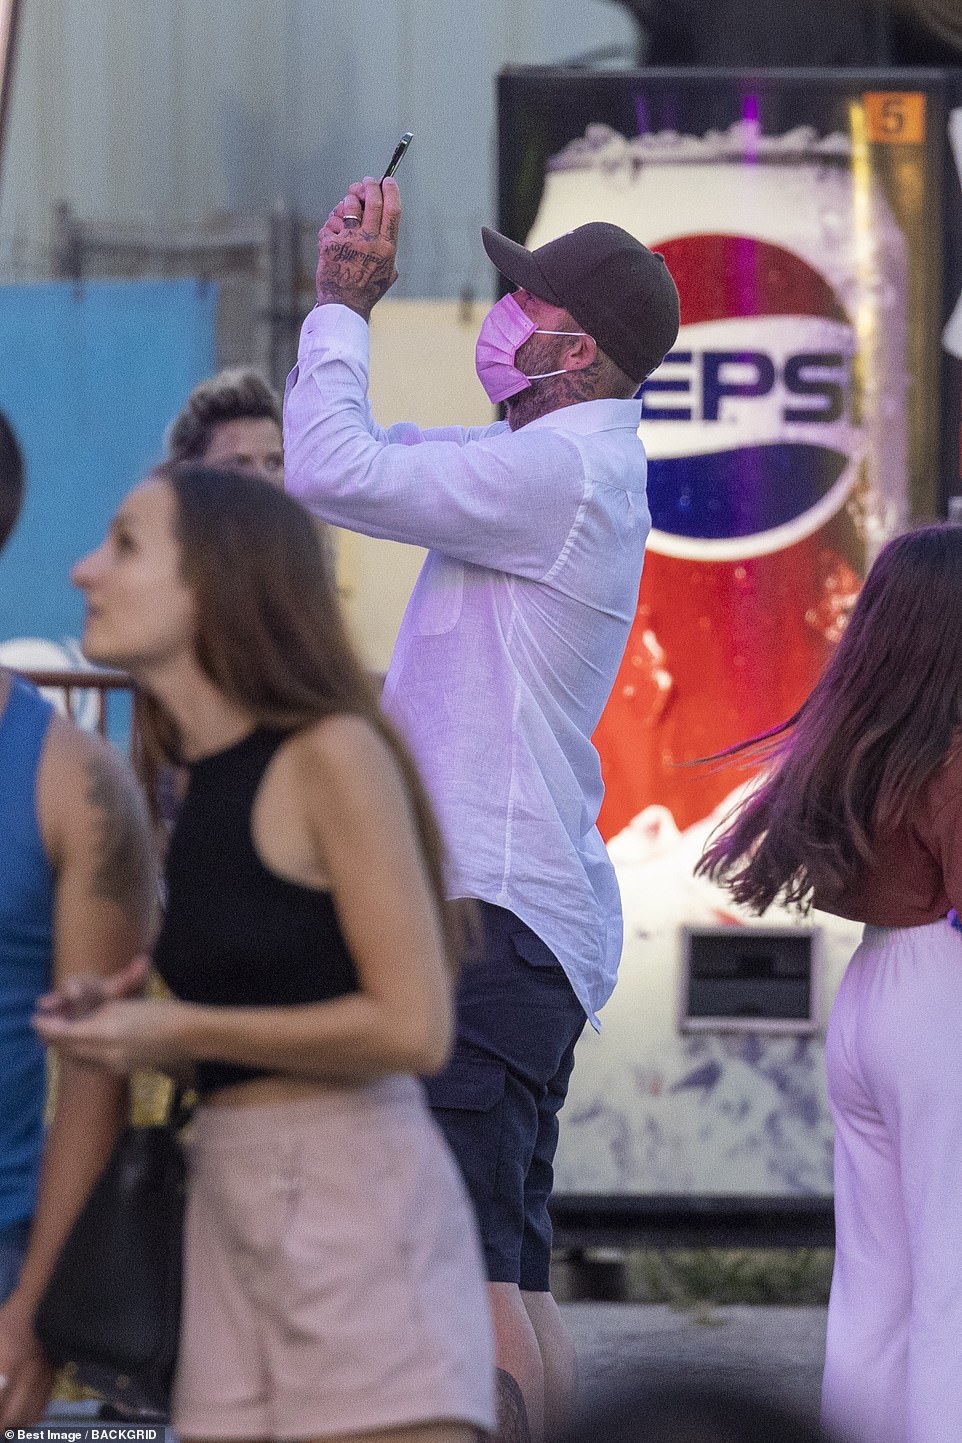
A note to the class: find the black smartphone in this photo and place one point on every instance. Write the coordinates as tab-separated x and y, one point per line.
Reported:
398	155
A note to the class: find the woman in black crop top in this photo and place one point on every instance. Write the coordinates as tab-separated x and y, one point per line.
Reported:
333	1279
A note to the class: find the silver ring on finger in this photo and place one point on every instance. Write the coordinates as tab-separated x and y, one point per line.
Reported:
351	222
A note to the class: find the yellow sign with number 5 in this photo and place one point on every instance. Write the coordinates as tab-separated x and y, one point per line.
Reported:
895	117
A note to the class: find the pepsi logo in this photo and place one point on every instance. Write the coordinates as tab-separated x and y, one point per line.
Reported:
751	423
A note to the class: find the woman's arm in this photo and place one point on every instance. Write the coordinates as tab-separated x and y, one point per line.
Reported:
96	833
358	815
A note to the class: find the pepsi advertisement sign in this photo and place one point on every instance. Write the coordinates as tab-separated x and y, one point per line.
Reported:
752	422
785	427
812	221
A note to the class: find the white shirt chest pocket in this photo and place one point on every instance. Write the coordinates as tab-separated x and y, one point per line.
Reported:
439	596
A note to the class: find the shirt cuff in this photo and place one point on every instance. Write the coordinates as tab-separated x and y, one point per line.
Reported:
337	328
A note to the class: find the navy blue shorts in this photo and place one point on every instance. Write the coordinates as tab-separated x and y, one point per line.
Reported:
498	1099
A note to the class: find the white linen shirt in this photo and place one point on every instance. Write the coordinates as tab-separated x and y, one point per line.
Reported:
514	630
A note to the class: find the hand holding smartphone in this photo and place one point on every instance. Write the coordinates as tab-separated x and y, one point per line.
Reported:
357	274
399	152
352	222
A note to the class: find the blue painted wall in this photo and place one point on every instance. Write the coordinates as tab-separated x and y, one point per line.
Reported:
90	377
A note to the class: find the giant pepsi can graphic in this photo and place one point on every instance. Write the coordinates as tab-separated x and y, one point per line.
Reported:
806	413
775	431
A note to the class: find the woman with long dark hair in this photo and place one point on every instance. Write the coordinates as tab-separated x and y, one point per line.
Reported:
861	815
333	1278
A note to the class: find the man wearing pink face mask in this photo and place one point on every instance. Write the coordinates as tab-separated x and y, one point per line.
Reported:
509	647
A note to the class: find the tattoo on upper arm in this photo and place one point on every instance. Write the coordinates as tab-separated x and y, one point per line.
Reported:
123	870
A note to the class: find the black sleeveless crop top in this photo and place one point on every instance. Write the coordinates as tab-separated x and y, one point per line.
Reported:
234	932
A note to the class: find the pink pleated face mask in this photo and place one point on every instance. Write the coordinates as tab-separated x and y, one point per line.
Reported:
503	331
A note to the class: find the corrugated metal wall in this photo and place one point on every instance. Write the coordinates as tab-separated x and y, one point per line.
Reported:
171	109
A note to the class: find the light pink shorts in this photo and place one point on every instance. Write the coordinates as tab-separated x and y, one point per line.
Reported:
333	1277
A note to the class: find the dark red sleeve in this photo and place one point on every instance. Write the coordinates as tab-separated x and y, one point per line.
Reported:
940	827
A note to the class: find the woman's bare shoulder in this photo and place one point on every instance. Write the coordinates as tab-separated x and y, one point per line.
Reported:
345	755
344	737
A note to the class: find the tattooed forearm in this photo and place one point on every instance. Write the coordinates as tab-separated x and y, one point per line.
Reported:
122	865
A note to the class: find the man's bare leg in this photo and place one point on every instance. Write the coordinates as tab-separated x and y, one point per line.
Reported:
520	1369
418	1433
558	1360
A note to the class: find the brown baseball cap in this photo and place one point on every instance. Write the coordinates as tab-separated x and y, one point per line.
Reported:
616	288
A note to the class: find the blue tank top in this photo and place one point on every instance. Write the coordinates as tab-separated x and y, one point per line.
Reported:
26	949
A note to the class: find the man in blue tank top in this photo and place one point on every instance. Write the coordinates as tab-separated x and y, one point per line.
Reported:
76	895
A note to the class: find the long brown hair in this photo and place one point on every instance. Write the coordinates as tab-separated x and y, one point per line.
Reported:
881	720
270	635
